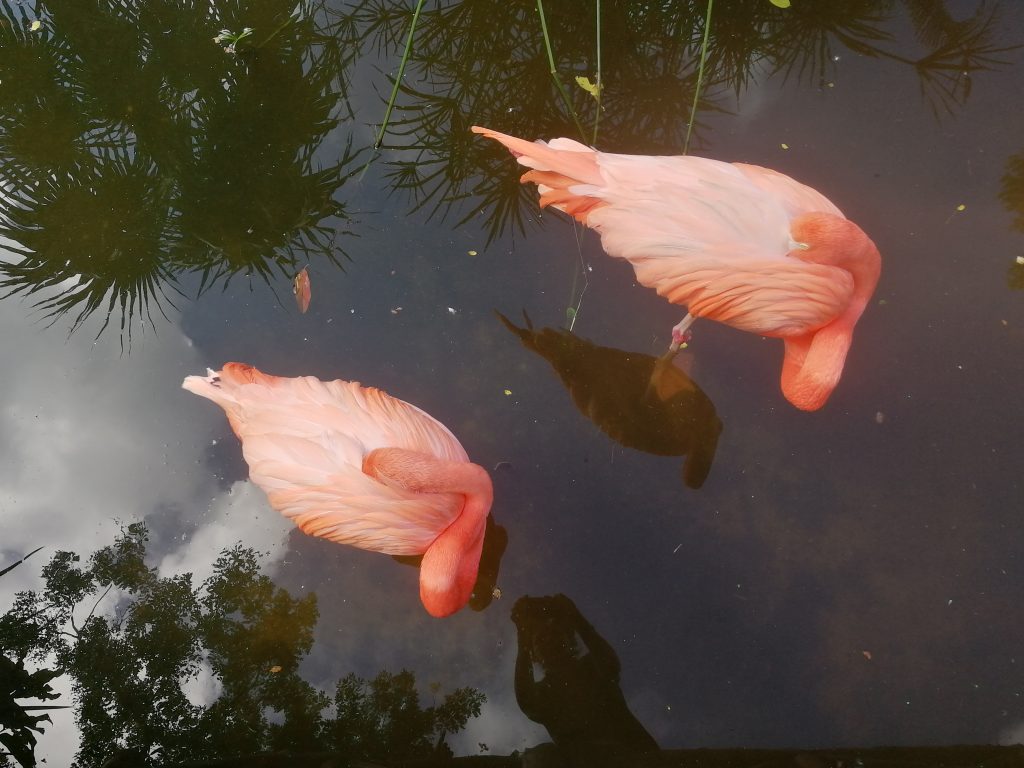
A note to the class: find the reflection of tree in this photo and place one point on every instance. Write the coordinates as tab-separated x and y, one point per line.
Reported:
18	724
485	63
578	698
238	632
134	149
640	401
383	717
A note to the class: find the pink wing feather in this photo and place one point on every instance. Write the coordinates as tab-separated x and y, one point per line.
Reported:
709	235
305	439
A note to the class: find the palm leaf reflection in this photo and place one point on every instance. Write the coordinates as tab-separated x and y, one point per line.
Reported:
640	401
135	150
88	238
485	62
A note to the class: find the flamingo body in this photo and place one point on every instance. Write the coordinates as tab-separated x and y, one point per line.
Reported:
736	243
356	466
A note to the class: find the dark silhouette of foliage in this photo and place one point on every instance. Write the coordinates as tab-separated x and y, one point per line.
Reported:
133	642
485	63
382	718
201	159
134	149
17	725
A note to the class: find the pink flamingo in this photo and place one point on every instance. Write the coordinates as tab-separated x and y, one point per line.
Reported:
736	243
354	465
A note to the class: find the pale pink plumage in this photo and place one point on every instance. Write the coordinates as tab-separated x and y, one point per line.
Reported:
736	243
356	466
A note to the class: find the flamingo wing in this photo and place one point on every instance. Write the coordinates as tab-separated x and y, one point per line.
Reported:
304	441
710	235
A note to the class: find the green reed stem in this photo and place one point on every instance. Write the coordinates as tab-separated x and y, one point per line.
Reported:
700	76
597	77
554	71
398	78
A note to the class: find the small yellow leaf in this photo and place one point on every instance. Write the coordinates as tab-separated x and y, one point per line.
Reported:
275	669
594	89
784	146
961	207
471	253
780	3
508	392
36	25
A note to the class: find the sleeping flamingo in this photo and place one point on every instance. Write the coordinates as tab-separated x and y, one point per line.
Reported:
354	465
736	243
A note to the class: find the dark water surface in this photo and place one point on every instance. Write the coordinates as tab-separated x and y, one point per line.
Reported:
845	577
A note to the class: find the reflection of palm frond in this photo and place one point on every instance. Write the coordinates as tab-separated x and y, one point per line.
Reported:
198	160
68	260
945	73
801	45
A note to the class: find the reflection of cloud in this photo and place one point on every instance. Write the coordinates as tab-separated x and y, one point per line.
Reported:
91	438
203	689
242	514
1012	735
501	726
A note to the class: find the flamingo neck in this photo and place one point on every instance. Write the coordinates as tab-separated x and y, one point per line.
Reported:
449	568
814	362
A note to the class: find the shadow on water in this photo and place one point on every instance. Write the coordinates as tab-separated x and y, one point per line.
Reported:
134	150
640	401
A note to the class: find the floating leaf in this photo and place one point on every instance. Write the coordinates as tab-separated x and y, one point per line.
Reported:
594	89
302	291
36	25
780	3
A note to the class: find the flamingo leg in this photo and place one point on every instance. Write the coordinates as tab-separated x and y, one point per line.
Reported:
681	333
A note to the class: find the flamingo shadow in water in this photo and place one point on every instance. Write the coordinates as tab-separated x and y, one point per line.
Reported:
640	401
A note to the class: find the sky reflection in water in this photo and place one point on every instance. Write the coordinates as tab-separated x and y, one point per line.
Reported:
743	613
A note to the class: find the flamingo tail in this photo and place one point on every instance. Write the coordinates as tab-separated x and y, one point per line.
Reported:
564	171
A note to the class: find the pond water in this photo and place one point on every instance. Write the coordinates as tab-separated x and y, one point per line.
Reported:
844	577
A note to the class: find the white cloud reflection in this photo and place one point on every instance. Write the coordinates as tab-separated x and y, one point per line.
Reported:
92	438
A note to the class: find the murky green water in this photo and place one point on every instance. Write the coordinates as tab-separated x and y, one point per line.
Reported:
735	573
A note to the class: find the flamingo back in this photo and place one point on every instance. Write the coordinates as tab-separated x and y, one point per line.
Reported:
304	441
710	235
